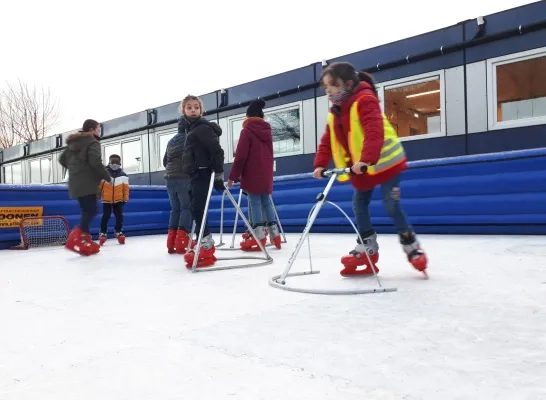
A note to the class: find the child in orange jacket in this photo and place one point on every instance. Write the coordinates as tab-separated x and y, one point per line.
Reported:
114	195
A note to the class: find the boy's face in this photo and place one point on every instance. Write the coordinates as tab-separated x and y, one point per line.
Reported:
115	161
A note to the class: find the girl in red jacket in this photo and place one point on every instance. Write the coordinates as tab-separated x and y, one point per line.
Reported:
357	135
253	167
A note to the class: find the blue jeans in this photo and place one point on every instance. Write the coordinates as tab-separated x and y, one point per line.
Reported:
260	209
179	196
390	191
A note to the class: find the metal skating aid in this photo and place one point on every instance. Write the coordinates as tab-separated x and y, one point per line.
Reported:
266	259
279	281
234	234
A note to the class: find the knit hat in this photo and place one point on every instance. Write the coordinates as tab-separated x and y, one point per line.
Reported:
255	109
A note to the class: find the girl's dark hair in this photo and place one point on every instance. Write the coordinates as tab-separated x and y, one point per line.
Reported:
89	125
346	72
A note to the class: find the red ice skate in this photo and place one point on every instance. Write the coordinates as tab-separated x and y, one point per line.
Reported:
416	255
274	237
120	237
250	244
181	241
171	240
247	235
206	253
81	243
102	238
357	258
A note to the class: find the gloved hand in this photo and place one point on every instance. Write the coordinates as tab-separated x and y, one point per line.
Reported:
219	181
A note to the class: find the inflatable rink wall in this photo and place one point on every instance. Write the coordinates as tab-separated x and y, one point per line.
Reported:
498	193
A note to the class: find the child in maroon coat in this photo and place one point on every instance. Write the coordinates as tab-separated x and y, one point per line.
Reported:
253	168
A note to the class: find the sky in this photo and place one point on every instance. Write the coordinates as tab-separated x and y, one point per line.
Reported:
105	59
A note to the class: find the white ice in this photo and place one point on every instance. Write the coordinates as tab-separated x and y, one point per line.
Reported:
133	323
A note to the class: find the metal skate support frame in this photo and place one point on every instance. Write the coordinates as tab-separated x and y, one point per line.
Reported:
279	281
232	246
266	259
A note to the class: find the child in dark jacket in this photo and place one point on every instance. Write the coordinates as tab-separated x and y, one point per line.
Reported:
202	156
83	160
178	188
114	195
253	167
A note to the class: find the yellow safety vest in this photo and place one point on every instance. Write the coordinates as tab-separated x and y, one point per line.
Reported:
392	152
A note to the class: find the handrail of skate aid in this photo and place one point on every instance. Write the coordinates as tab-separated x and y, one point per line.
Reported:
498	193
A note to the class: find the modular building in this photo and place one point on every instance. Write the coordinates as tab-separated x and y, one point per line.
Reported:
472	88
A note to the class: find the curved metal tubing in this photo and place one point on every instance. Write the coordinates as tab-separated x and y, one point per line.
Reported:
232	246
274	282
266	259
221	221
279	281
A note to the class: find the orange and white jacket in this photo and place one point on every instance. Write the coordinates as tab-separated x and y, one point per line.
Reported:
117	190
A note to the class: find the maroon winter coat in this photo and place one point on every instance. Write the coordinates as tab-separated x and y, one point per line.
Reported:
253	164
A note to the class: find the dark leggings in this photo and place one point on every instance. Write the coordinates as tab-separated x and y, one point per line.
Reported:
199	193
88	210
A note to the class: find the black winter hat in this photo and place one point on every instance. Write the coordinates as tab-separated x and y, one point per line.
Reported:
256	109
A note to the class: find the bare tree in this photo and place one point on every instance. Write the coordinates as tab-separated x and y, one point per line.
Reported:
26	113
8	137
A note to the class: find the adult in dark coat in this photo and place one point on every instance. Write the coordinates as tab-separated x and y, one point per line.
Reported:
83	160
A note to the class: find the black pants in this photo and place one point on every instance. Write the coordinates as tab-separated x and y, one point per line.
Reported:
88	210
107	212
199	193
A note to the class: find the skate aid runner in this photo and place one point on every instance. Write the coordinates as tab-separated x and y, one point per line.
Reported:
358	134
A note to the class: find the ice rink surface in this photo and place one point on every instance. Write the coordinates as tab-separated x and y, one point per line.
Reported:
132	323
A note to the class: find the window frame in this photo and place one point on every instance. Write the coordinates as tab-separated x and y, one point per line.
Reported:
164	132
120	143
284	107
141	161
411	80
491	71
5	169
39	160
10	166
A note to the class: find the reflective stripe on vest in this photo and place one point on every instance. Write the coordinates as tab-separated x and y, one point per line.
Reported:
392	152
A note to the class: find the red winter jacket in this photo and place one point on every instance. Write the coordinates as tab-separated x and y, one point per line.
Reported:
253	164
371	119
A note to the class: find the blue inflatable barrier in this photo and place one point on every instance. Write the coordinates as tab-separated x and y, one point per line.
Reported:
501	193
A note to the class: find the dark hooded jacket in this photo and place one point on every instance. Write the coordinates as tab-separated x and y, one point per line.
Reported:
203	150
83	160
253	164
173	158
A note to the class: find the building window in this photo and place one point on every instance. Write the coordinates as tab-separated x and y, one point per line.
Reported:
16	174
518	90
40	171
414	107
162	141
130	153
111	149
45	166
286	126
131	156
35	174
